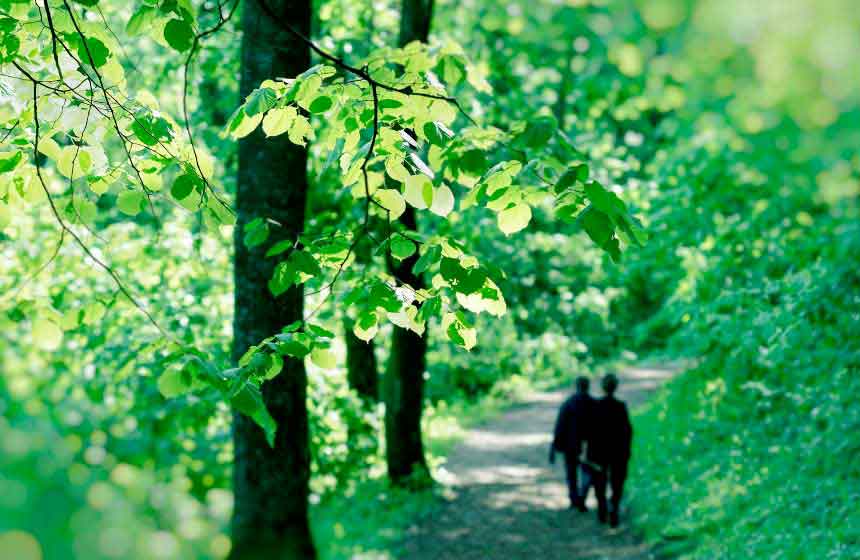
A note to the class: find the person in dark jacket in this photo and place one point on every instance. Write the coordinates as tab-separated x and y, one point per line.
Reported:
608	450
571	431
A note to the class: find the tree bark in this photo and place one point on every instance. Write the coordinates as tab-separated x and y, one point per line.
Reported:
415	19
362	373
403	385
270	484
361	368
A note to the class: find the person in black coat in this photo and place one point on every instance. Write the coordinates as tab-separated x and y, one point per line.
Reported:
608	450
571	430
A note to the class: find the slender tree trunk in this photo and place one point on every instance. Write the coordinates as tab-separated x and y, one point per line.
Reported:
560	108
361	368
270	519
403	385
415	19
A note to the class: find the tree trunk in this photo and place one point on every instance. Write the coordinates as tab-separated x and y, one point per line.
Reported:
560	109
270	518
361	368
403	385
415	19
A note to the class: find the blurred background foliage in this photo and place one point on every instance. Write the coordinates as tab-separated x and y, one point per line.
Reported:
729	127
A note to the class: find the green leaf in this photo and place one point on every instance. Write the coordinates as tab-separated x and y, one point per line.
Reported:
245	125
321	104
249	401
402	247
86	209
300	130
94	48
431	132
392	201
464	280
319	331
151	129
573	175
514	219
94	312
47	335
538	131
430	257
9	41
390	104
140	20
430	308
366	326
291	344
179	34
174	382
283	277
278	120
305	265
259	101
130	202
280	247
414	191
9	163
443	201
273	366
604	200
473	162
597	225
383	296
184	185
256	232
324	358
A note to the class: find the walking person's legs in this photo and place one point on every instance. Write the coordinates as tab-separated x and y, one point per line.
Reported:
599	480
571	467
617	476
586	478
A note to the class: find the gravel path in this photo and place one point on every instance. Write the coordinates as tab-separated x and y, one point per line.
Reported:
507	502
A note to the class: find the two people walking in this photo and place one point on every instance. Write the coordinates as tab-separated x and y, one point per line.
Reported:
595	437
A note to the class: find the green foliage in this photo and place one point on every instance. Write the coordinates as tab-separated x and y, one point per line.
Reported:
586	127
768	414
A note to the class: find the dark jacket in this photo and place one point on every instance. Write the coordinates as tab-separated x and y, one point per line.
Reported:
573	423
610	439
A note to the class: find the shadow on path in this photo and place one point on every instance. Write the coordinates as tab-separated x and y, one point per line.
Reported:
507	502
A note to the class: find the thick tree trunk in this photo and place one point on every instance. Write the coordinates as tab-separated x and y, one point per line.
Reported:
270	518
403	385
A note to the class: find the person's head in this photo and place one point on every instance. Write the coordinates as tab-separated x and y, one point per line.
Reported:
609	383
582	384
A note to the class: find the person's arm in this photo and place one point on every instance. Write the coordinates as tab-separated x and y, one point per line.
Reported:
628	432
558	433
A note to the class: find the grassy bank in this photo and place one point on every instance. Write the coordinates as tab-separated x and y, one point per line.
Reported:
754	452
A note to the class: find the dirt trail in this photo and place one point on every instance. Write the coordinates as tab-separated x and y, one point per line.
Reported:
509	503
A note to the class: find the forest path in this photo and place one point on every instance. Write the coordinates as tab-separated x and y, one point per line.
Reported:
509	503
